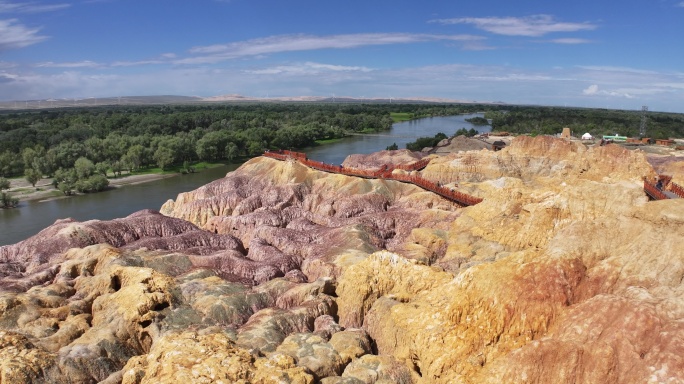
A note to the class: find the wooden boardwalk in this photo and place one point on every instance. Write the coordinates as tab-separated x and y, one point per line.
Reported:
667	189
384	172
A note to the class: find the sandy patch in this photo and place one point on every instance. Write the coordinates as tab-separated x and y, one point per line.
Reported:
44	191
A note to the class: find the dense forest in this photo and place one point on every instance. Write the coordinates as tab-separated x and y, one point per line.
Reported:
598	122
114	138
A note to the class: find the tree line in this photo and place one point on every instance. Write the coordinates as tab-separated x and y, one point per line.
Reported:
79	146
598	122
130	138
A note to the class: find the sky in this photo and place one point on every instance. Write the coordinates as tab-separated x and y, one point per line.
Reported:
600	53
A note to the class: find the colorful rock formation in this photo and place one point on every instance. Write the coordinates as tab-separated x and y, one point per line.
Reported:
565	273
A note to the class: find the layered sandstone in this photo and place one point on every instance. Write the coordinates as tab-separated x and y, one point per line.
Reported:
565	273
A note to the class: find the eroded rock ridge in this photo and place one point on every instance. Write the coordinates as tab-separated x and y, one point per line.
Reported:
564	273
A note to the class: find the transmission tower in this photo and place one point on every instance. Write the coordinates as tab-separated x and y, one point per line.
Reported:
642	126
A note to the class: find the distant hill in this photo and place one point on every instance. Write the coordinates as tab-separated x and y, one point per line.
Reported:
98	101
171	99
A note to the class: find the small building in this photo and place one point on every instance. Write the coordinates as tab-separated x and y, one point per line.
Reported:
665	142
634	140
587	136
498	145
615	137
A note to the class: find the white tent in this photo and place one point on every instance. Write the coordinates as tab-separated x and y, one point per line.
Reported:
587	136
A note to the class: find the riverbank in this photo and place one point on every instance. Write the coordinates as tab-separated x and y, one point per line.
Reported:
44	190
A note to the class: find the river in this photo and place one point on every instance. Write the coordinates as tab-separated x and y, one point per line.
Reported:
32	216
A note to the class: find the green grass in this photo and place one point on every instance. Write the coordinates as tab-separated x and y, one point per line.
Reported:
207	165
368	130
176	168
329	141
398	117
23	191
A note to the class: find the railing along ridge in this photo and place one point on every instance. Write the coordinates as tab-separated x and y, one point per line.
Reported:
676	189
653	191
384	172
666	184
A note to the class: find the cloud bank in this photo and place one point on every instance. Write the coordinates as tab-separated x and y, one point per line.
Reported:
531	26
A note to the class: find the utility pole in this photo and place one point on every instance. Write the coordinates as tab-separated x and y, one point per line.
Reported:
642	126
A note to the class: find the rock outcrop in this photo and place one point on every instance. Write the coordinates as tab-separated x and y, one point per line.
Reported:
564	273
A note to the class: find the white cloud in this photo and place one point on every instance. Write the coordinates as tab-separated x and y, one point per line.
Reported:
681	4
516	77
607	68
593	90
290	43
8	76
308	68
571	40
569	85
671	85
537	25
136	63
77	64
15	35
31	7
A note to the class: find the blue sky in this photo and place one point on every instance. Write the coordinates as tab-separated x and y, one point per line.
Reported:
616	54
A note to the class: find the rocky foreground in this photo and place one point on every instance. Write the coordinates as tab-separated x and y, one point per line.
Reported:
565	273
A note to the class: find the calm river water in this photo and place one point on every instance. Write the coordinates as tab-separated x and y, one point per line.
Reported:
31	217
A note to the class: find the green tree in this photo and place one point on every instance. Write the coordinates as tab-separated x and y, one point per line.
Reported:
32	175
8	164
4	184
102	168
392	147
95	149
66	188
65	180
423	142
68	152
255	148
84	168
7	201
28	155
117	167
232	151
94	183
136	156
185	148
211	146
164	157
47	165
187	168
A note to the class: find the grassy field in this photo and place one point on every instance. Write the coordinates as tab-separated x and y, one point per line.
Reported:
329	141
401	116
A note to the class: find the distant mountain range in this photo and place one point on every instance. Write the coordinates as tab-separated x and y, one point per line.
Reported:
171	99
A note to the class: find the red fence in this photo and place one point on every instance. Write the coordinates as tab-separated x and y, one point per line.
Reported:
653	191
676	189
418	165
384	172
